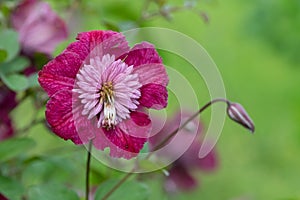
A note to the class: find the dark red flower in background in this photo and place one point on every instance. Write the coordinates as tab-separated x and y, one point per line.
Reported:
185	145
99	89
2	197
40	28
7	103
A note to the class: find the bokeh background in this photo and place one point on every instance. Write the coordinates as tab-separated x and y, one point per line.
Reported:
256	46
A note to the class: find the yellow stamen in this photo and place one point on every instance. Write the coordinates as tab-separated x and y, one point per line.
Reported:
107	97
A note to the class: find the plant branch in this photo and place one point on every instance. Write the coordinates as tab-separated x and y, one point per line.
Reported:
162	143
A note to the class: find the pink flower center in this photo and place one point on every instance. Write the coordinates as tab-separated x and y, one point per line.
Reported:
108	89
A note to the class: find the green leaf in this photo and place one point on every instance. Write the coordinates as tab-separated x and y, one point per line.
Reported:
33	80
25	106
10	188
12	147
16	65
130	190
51	192
49	169
38	172
3	55
15	82
9	43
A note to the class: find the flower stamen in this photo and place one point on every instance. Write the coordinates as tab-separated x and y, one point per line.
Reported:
107	98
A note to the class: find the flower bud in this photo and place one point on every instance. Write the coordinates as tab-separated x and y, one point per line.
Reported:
238	114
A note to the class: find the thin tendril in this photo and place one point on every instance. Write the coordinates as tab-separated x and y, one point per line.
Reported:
162	143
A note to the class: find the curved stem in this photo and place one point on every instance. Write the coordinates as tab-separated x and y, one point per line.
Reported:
165	141
118	185
162	143
87	173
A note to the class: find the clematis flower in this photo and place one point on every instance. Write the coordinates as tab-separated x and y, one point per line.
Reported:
7	103
99	90
40	28
186	143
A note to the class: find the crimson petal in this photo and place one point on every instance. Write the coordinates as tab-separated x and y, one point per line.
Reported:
100	43
154	96
129	146
59	115
127	138
60	73
142	53
152	73
140	118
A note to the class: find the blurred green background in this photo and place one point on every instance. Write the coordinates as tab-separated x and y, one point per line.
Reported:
256	46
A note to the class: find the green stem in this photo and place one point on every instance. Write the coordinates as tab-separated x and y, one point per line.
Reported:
87	174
